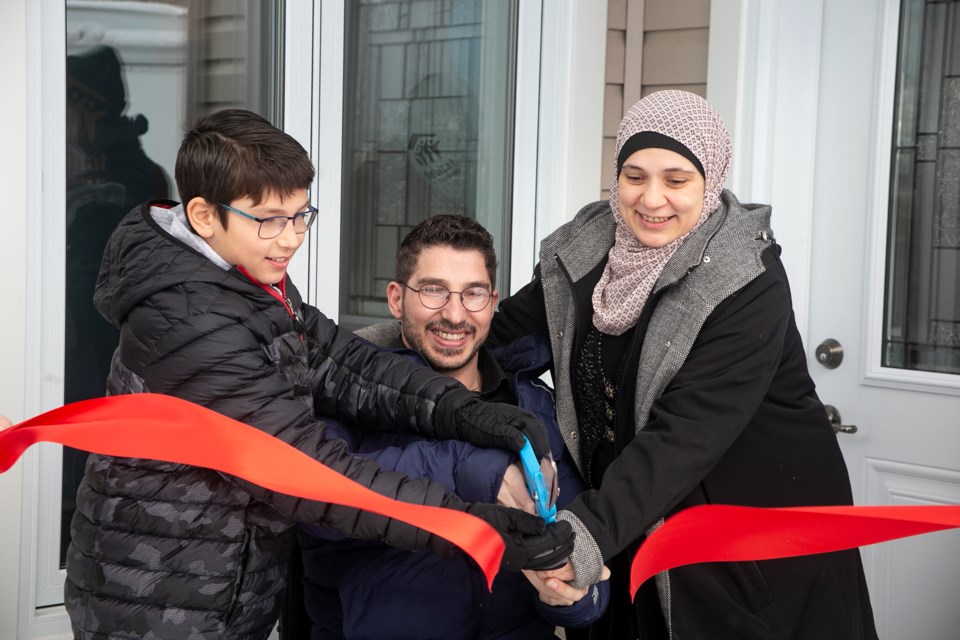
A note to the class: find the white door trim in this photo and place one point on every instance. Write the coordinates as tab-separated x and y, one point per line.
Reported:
327	155
571	111
41	580
775	127
301	77
526	135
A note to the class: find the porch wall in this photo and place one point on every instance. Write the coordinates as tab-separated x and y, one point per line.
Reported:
651	45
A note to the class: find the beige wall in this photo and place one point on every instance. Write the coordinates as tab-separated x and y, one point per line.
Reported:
651	45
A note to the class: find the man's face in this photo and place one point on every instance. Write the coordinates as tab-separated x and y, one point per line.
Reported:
449	337
239	244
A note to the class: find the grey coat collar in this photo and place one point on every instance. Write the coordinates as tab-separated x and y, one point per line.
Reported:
583	242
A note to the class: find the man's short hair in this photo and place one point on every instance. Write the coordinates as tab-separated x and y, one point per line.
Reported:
235	153
455	231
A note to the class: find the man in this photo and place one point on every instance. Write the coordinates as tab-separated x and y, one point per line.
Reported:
444	298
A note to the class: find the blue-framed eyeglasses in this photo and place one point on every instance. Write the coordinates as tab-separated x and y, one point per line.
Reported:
273	226
435	296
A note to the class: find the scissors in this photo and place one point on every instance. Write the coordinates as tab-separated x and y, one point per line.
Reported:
543	492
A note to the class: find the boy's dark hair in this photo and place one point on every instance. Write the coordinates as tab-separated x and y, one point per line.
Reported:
455	231
235	153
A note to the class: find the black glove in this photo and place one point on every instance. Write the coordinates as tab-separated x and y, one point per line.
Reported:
466	417
530	543
549	550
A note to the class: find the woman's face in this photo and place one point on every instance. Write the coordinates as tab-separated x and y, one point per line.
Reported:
660	194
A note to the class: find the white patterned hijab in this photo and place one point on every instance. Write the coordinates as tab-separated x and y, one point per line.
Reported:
632	267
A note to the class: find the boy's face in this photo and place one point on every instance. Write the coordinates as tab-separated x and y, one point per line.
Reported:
240	245
449	337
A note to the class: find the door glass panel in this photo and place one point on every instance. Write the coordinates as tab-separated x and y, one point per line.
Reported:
427	129
138	75
922	302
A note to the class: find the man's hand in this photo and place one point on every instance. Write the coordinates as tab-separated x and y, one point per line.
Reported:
555	591
513	490
564	573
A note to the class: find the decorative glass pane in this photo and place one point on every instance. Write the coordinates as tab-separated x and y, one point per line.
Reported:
138	75
922	306
427	130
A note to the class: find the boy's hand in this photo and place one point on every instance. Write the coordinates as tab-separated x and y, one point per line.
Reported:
496	424
530	543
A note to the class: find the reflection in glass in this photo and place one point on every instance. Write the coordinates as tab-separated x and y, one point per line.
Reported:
427	130
922	305
138	74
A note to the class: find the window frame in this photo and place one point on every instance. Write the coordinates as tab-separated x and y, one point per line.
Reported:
40	610
873	372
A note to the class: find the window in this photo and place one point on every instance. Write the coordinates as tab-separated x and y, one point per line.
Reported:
137	75
922	305
428	128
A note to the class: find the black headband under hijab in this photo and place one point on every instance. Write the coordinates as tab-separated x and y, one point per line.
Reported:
652	139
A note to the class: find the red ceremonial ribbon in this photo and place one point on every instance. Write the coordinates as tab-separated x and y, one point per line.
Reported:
721	533
165	428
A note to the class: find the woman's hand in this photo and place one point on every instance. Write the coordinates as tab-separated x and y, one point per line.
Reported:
5	422
553	588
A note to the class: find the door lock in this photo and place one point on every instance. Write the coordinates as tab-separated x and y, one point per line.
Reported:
836	422
830	353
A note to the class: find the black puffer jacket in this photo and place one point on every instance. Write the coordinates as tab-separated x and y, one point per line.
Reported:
171	551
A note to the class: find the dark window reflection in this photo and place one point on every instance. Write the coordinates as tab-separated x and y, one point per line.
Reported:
108	173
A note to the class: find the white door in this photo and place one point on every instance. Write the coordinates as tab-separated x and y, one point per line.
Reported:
906	448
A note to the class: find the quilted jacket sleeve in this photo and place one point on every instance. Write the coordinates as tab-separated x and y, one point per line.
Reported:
364	385
214	356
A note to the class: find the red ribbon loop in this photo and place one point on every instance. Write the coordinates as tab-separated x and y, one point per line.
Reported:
165	428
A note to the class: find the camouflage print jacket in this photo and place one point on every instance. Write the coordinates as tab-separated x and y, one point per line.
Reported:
166	551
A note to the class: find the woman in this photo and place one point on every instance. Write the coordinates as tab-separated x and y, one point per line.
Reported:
681	380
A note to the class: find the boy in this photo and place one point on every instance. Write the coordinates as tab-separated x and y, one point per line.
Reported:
206	313
444	299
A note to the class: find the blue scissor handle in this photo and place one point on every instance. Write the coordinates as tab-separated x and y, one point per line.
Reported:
535	485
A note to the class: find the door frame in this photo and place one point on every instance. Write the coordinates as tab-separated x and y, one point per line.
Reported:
775	51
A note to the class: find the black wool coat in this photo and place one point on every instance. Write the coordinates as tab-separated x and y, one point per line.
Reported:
720	409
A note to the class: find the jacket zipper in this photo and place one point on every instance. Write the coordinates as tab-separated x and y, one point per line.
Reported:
280	295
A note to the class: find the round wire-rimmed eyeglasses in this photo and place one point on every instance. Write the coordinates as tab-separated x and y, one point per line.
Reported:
435	296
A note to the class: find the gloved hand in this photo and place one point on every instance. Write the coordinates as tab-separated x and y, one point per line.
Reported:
462	415
530	543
